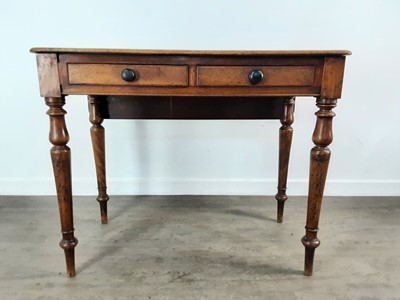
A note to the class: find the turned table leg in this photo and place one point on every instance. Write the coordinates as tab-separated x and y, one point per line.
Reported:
97	135
61	159
285	142
320	155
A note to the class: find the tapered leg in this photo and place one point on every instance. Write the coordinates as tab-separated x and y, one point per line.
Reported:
320	156
61	159
97	134
285	142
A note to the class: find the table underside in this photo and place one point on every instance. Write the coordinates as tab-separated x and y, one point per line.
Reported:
191	108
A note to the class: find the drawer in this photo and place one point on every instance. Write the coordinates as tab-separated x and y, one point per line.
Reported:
143	75
239	75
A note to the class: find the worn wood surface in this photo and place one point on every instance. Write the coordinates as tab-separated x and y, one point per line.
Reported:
49	82
332	78
180	75
238	75
109	74
190	52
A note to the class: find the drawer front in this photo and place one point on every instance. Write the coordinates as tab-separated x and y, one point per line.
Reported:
239	75
111	74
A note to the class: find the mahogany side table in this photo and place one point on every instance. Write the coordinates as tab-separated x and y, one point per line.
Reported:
164	84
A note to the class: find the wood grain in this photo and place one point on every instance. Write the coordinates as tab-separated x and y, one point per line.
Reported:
98	142
61	160
319	162
238	76
110	74
285	143
49	82
262	91
332	78
179	75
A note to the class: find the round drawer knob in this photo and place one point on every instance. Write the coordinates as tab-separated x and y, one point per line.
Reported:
256	76
128	75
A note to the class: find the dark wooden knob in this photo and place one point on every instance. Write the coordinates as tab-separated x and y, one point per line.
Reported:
256	76
128	75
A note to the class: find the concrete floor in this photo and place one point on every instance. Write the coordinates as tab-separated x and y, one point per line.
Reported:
192	247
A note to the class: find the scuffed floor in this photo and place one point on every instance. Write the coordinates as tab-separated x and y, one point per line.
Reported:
200	247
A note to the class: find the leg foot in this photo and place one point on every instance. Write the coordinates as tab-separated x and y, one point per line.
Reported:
281	198
310	245
70	260
69	251
103	210
308	261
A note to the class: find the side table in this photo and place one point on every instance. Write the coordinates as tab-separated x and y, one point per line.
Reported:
164	84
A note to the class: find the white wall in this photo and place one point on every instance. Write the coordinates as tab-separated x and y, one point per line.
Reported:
205	157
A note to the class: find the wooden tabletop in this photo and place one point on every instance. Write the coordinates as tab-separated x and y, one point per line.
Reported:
195	52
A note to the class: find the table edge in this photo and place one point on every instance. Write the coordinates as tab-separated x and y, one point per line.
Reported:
192	52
